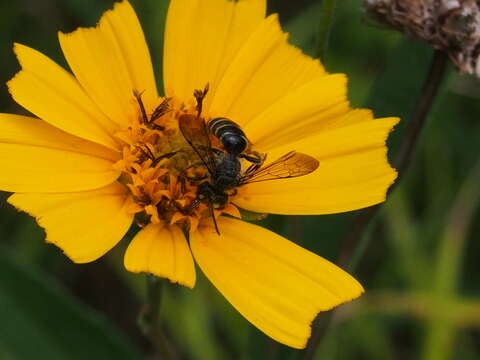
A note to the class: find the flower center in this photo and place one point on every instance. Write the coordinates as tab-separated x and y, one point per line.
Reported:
160	169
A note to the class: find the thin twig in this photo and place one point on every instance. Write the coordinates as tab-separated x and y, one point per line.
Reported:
355	239
405	154
149	320
354	235
327	10
319	328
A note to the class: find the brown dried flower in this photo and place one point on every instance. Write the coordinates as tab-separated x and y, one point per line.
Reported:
452	26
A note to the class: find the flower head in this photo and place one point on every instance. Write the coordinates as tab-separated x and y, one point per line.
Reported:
452	26
108	151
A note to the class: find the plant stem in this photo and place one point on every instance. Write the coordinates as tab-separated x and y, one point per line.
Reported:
327	10
403	159
319	328
149	320
422	108
355	242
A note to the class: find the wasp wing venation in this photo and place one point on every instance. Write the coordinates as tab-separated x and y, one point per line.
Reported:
292	164
195	133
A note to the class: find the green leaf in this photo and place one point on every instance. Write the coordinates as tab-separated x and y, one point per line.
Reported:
189	317
87	12
40	321
302	28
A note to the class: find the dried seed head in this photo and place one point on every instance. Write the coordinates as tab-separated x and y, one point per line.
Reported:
452	26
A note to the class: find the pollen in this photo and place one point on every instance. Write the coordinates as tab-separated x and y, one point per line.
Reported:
160	170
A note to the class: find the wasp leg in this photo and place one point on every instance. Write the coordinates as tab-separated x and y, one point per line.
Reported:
212	214
163	156
217	151
254	157
196	178
253	168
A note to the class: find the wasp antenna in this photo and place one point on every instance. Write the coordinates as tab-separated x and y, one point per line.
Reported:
212	214
163	156
216	225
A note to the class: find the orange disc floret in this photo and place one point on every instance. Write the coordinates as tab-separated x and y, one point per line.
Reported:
160	170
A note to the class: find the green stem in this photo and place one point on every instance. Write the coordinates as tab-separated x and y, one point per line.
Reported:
357	240
319	328
356	237
327	10
149	320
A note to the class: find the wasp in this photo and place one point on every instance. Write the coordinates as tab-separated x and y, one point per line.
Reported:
223	166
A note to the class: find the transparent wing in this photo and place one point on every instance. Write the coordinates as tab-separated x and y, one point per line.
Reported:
195	132
292	164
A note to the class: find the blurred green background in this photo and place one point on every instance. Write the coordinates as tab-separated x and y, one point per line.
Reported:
420	263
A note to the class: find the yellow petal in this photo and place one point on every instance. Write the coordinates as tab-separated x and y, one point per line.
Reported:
112	60
300	113
162	251
51	93
36	157
354	172
276	285
85	225
201	38
265	69
25	130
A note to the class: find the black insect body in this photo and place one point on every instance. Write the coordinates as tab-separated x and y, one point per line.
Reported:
224	168
232	137
227	167
229	133
225	172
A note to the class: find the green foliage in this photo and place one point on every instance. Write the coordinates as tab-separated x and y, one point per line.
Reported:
41	321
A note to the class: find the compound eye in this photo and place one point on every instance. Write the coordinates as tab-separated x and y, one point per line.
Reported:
234	144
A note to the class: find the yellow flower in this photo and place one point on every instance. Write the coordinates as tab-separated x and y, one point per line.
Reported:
97	160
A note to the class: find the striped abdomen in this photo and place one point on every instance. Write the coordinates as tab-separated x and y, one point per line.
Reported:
230	135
